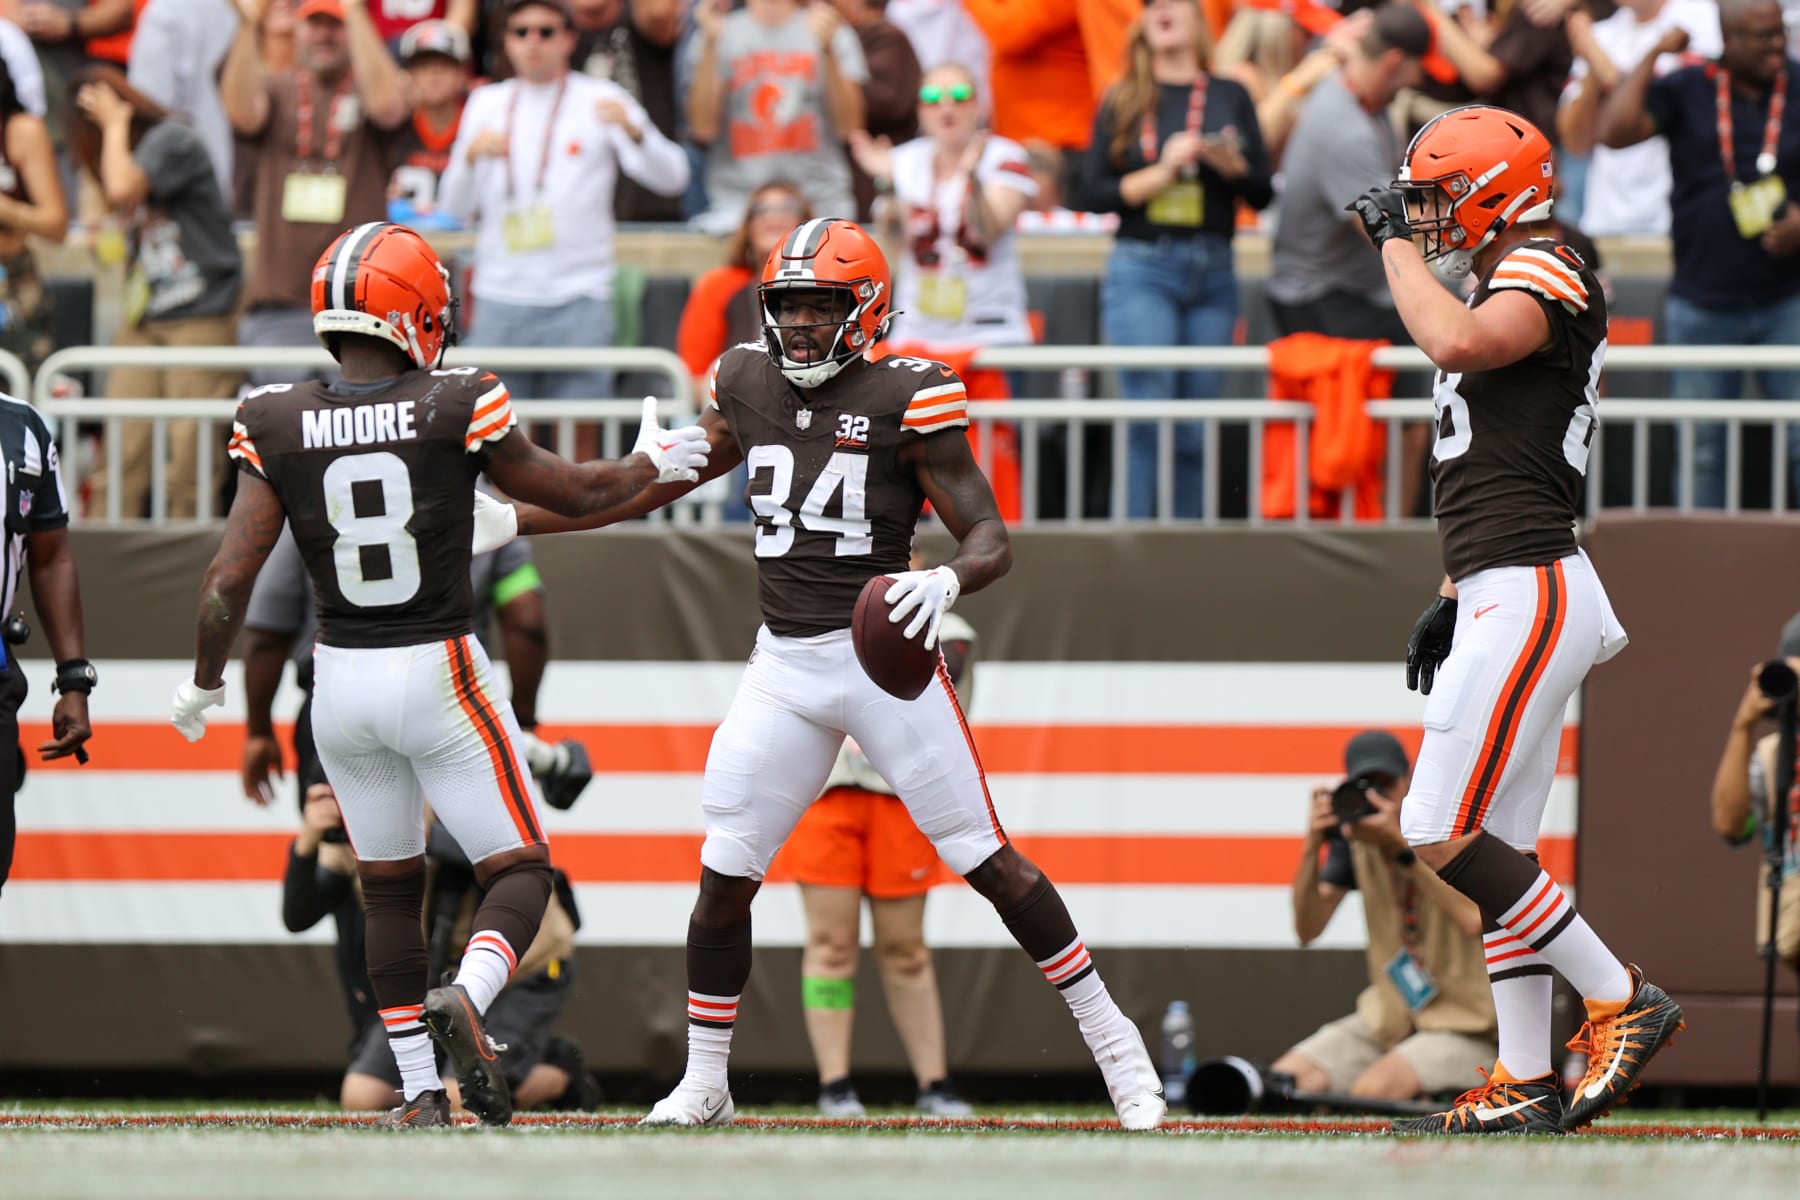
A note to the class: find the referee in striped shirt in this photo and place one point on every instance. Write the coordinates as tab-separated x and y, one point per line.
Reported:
37	542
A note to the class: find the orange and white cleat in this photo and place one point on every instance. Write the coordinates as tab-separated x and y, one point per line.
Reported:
1619	1047
1501	1105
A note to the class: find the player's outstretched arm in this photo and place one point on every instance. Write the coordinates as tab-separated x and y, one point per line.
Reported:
959	493
722	455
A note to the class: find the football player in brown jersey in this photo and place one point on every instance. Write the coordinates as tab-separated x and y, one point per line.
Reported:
376	474
1521	615
844	448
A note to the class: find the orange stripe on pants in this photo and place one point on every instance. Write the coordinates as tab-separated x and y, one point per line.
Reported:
486	723
1515	697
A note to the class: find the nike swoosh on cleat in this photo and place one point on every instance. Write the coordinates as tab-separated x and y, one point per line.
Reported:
1484	1113
1599	1086
709	1111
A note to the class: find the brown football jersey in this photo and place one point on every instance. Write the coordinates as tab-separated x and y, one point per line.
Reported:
378	482
1512	442
835	506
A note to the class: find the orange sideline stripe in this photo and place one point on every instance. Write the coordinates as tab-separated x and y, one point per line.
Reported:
1145	859
681	748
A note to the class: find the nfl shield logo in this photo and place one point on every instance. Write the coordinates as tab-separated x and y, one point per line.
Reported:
803	418
24	504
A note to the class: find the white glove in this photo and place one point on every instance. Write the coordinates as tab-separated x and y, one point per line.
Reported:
496	523
931	593
191	702
678	454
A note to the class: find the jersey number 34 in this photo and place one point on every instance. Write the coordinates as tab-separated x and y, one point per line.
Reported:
845	476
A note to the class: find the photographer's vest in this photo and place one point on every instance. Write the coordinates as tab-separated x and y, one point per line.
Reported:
1464	1002
1763	801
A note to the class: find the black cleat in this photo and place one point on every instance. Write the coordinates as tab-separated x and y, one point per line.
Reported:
1618	1049
453	1021
1502	1105
427	1110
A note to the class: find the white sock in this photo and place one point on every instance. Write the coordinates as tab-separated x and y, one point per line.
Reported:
1117	1048
487	964
411	1045
1521	984
1545	921
711	1020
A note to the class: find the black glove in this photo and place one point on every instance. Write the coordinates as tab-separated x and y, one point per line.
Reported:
1383	214
1429	644
570	773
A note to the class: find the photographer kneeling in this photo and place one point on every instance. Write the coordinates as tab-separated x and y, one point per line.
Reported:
1426	1020
1744	799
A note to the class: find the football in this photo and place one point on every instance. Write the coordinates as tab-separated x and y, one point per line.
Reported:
899	665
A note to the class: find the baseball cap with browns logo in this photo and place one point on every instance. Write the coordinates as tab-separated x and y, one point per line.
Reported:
434	37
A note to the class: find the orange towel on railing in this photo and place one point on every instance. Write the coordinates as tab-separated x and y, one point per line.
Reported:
981	384
1346	448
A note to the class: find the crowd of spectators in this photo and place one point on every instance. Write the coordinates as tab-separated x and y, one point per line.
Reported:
539	126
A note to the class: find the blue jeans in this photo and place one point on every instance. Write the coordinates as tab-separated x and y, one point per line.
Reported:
1690	324
581	323
1170	292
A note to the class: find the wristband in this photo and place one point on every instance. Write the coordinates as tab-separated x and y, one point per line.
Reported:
1406	858
75	675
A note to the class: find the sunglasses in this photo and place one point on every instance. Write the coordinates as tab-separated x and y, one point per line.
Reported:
956	93
545	32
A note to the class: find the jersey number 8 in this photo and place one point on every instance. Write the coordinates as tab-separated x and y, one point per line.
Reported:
384	530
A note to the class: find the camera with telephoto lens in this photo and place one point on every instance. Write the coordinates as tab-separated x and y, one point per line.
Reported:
1777	682
1350	802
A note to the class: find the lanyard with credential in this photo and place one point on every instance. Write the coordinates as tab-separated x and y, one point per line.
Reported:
512	111
1765	158
1196	115
304	118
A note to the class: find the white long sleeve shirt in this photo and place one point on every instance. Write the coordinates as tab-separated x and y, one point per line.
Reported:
579	172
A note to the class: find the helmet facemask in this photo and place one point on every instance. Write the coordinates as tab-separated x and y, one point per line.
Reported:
1438	211
833	342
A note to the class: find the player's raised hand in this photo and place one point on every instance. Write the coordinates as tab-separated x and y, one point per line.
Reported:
931	593
1429	644
677	454
496	523
1383	215
191	703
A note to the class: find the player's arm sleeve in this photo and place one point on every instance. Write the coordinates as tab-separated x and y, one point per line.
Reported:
491	417
49	503
940	403
1339	869
1552	280
242	446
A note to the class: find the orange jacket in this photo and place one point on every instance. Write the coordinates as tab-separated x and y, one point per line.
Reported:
705	331
1040	82
1347	448
981	384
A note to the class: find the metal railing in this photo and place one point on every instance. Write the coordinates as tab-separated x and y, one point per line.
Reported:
617	418
1036	420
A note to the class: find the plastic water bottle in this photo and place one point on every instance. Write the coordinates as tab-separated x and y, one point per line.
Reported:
1177	1051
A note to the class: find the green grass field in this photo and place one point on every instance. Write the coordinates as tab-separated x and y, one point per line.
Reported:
140	1151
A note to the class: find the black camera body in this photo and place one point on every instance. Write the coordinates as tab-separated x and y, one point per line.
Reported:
1777	682
1350	802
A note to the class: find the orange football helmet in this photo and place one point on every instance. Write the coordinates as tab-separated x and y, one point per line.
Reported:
1469	174
827	254
385	281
